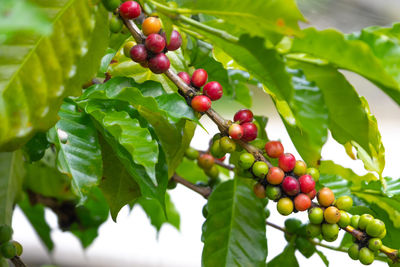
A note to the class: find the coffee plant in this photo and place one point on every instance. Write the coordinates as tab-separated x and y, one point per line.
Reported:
100	100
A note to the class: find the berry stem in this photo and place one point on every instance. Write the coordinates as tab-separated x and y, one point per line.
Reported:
18	262
204	191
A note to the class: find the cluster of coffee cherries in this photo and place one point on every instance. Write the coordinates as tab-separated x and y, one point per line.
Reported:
150	54
374	230
205	161
8	248
243	128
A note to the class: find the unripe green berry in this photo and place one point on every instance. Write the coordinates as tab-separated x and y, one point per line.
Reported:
213	172
204	211
216	149
8	250
260	169
246	160
18	248
381	236
375	244
330	231
354	221
313	230
285	206
344	203
316	215
366	256
191	153
5	233
344	219
292	225
354	251
314	173
300	168
365	219
111	5
273	192
267	213
375	228
115	24
172	183
227	144
127	48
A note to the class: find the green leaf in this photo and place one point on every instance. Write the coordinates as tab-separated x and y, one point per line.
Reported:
234	232
48	68
243	94
286	258
79	154
323	257
191	171
261	126
36	147
117	185
35	215
353	55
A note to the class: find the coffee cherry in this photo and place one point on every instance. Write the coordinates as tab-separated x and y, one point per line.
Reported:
275	175
316	215
307	183
273	192
285	206
111	5
375	228
300	168
354	221
155	43
312	194
201	103
205	161
249	131
381	236
259	190
8	250
115	24
138	53
185	77
344	219
199	78
127	48
222	158
216	149
274	149
130	10
302	202
267	213
175	41
332	215
365	219
325	197
287	162
191	153
236	131
314	173
344	203
213	172
213	90
151	25
354	251
260	169
5	233
18	248
159	63
227	144
313	230
366	256
375	244
291	186
330	231
172	184
246	160
292	225
204	211
243	116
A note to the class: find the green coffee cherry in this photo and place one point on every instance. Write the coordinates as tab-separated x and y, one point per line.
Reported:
191	153
344	220
354	252
285	206
213	172
273	192
227	144
344	203
292	225
267	213
313	230
204	211
260	169
18	247
354	221
115	24
246	160
316	215
375	244
366	256
381	236
330	231
216	149
172	184
375	228
5	233
111	5
365	219
314	173
8	250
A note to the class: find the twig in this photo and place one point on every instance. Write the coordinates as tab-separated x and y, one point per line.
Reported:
204	191
18	262
223	165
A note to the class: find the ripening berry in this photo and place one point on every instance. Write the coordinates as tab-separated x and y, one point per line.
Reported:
201	103
312	194
344	203
366	256
213	172
127	48
273	192
243	115
185	77
332	214
307	183
191	153
205	161
316	215
155	43
274	149
330	231
354	221
365	219
222	158
213	90
175	41
291	186
138	53
302	202
227	144
344	219
199	78
375	244
259	190
159	63
246	160
313	230
249	131
115	24
287	162
5	233
300	168
260	169
314	173
236	131
354	251
130	10
151	25
325	197
275	176
285	206
375	228
8	250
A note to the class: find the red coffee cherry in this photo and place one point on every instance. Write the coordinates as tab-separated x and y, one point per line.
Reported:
243	115
291	186
185	77
213	90
201	103
159	63
307	183
199	77
287	162
236	131
174	42
274	149
138	53
155	43
312	194
249	131
302	202
130	10
275	176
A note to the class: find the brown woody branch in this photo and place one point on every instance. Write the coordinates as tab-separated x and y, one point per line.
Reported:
204	191
18	262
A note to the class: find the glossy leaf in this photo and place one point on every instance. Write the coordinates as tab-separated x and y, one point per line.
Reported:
286	258
38	72
191	171
36	147
234	232
323	257
79	154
